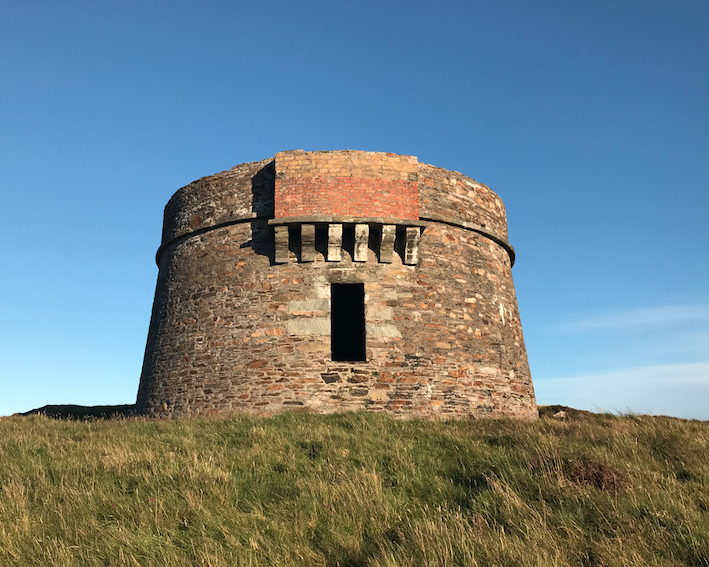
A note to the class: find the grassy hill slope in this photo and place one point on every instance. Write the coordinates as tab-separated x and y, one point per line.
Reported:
352	490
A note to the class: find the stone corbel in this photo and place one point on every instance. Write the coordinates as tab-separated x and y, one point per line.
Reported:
334	243
386	245
411	252
307	242
281	243
361	242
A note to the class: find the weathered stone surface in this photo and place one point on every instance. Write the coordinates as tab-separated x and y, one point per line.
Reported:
379	312
450	194
309	306
305	327
307	242
281	243
411	254
239	325
334	242
313	347
361	241
382	330
386	246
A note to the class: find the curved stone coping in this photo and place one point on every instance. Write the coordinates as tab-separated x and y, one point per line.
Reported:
475	228
314	219
422	222
236	219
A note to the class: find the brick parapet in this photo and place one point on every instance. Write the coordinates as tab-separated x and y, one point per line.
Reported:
248	190
346	183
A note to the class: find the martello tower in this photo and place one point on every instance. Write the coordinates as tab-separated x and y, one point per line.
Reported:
330	281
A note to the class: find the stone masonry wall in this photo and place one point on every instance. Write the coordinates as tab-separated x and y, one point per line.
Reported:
232	331
452	195
244	191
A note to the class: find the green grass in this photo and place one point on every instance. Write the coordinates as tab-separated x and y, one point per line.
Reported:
352	490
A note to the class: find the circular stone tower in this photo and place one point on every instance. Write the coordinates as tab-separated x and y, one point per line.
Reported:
332	281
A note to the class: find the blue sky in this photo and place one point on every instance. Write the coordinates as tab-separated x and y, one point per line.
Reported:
589	119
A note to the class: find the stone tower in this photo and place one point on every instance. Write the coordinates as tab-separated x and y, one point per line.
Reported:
331	281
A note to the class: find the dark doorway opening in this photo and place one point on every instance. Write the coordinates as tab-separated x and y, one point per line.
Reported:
347	333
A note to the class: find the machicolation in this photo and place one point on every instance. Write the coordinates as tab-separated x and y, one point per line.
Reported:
332	281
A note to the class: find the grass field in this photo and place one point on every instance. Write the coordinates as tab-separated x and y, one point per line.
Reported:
352	490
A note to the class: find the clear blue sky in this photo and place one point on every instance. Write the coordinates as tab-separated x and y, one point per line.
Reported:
589	119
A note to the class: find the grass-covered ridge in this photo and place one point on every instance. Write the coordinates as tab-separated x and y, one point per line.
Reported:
354	489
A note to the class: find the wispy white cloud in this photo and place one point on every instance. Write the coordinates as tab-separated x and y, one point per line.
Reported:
681	390
638	318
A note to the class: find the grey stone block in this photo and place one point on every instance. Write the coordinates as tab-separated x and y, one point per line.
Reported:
307	242
309	327
361	242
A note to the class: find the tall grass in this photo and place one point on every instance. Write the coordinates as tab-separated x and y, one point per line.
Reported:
354	489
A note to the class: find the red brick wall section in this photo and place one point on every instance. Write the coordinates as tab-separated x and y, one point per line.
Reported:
346	183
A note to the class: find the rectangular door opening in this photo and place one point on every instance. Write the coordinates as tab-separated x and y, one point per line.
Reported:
347	334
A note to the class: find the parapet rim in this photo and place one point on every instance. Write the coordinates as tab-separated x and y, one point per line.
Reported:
267	161
184	194
423	222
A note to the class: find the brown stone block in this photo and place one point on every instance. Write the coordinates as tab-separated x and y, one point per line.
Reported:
313	347
357	379
386	377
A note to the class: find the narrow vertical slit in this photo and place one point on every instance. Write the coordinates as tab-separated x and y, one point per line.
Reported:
347	326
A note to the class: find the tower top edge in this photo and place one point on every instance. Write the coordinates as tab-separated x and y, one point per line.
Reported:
358	183
253	166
